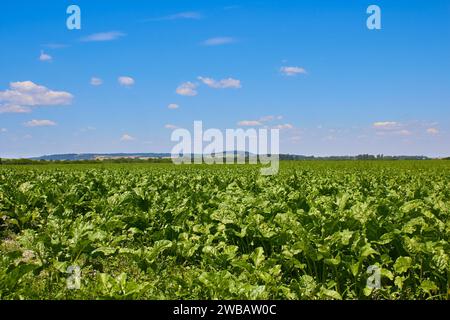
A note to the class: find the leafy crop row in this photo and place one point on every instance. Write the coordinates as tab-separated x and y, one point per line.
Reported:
225	232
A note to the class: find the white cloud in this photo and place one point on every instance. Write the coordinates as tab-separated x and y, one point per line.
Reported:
103	36
386	125
187	89
3	130
415	127
181	15
127	137
218	41
173	106
249	123
45	57
284	126
266	118
22	96
433	131
262	120
185	15
292	71
96	81
125	81
39	123
13	108
171	126
392	128
221	84
403	132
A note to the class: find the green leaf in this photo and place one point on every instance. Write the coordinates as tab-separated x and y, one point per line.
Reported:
157	248
386	273
334	261
331	294
399	281
367	251
354	268
428	286
402	264
258	256
367	291
107	251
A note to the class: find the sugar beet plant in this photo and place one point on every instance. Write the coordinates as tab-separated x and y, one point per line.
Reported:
225	232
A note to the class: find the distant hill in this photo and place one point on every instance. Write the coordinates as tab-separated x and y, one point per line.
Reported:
100	156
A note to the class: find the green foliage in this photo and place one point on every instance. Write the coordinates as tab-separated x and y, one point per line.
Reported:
159	231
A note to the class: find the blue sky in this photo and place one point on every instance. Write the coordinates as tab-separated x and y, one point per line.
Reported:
311	68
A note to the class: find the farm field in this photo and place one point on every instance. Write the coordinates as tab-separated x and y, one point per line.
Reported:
160	231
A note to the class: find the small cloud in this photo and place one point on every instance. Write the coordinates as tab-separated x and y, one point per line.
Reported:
96	81
193	15
188	15
292	71
127	137
218	41
221	84
173	106
3	130
249	123
171	126
45	57
39	123
262	120
28	136
187	89
103	36
185	15
391	128
404	132
22	96
389	125
126	81
13	108
385	128
433	131
284	126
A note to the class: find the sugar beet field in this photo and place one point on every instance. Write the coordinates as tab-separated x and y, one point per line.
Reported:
317	230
